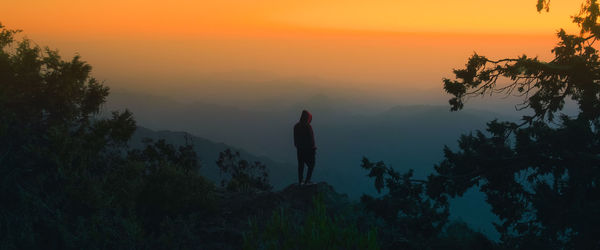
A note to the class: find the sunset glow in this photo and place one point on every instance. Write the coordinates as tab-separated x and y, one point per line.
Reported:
181	17
189	124
392	44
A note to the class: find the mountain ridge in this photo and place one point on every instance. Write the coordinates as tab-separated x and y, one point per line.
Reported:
208	153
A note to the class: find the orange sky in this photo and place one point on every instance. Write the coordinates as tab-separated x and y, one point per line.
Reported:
192	17
387	43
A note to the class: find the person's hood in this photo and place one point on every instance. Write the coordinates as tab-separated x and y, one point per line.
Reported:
306	117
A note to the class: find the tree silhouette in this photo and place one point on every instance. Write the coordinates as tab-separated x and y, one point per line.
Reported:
243	175
414	220
55	152
539	175
66	181
159	153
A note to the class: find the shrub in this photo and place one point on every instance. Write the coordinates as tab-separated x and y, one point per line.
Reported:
319	231
243	175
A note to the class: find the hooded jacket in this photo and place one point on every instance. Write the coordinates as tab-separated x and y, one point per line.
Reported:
304	138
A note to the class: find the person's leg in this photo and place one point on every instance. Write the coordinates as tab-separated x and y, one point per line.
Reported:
300	167
311	165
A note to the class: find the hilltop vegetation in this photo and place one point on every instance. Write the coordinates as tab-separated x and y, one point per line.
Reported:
68	179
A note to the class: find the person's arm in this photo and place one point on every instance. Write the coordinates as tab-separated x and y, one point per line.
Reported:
312	138
296	136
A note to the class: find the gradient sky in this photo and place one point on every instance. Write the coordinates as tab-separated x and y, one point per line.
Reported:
185	45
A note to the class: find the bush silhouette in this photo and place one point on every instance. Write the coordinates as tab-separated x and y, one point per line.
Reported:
243	175
318	230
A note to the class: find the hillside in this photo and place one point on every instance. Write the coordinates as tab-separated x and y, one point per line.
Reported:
208	152
224	229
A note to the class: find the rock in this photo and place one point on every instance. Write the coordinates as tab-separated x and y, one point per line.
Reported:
301	197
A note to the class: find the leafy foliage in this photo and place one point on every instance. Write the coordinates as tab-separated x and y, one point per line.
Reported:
540	176
244	176
159	153
572	73
320	230
65	180
171	189
413	218
457	235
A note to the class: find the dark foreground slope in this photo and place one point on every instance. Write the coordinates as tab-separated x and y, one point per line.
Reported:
314	217
238	211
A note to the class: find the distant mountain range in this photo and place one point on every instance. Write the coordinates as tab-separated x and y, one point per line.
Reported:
403	136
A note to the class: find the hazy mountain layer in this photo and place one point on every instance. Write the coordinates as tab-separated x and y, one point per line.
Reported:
405	137
208	153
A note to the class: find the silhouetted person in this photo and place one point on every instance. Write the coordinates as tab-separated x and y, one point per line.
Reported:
304	140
